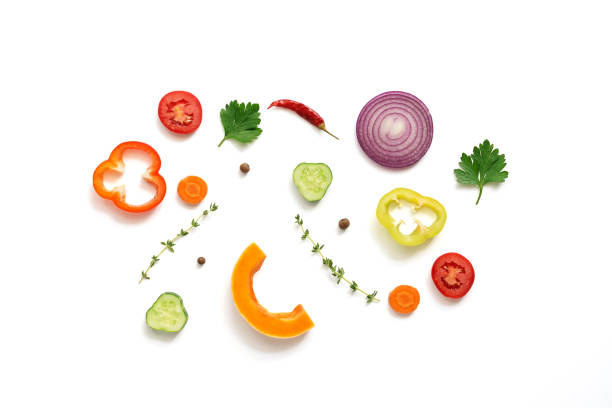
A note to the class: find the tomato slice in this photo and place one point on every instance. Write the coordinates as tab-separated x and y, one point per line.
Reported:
453	274
180	112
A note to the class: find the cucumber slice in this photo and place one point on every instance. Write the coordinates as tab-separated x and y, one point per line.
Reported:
167	313
312	179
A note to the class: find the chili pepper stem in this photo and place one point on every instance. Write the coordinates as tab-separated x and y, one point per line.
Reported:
322	127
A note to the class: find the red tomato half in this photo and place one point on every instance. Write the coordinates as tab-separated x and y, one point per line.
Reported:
453	275
180	112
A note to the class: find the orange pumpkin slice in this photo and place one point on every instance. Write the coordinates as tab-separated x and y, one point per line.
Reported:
280	325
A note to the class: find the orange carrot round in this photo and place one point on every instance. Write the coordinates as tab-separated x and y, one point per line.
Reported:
404	299
192	189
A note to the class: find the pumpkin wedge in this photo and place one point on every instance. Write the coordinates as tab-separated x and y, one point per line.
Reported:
280	325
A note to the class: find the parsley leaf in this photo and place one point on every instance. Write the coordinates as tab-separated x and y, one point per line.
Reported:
483	166
240	122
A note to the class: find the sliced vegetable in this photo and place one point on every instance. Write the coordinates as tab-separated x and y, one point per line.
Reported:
167	313
280	325
337	272
453	275
304	111
312	179
180	112
404	299
192	189
170	243
395	129
416	201
240	122
483	166
115	163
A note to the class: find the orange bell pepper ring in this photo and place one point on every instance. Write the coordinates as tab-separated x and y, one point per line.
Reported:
115	163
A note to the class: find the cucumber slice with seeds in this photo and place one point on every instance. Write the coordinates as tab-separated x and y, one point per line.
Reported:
167	313
312	179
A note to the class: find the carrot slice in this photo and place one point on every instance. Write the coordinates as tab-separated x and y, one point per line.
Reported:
404	299
192	189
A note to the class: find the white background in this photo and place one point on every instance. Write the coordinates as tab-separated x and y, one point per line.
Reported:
78	79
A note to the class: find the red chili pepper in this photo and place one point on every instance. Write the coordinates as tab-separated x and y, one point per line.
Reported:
304	111
115	163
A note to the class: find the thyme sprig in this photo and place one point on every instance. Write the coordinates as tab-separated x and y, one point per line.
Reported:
336	271
169	244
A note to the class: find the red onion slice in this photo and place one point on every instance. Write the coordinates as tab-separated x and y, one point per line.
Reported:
395	129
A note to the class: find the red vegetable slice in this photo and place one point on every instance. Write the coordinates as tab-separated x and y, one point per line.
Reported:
453	274
395	129
180	112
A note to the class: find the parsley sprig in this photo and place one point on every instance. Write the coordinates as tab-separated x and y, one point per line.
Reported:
240	122
483	166
169	244
336	271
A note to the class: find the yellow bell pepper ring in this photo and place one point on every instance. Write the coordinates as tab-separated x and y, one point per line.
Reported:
422	232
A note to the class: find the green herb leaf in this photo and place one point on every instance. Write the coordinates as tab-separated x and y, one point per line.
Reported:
317	247
339	274
483	166
336	271
170	243
240	122
154	260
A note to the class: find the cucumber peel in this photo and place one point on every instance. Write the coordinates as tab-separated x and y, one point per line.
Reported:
313	180
167	313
